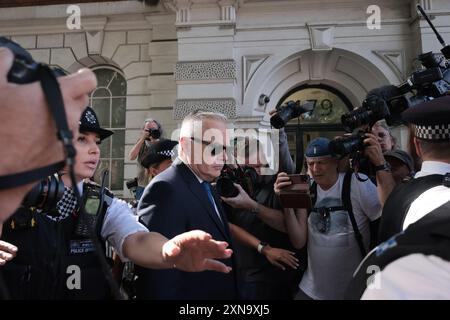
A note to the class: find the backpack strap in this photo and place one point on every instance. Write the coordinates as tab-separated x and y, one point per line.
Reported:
347	203
313	193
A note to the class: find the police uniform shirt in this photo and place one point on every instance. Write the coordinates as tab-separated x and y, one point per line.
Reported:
413	277
119	223
430	199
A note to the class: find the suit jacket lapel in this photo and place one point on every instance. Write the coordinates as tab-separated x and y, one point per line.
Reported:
196	188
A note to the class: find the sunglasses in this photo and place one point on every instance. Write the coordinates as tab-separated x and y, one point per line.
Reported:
216	149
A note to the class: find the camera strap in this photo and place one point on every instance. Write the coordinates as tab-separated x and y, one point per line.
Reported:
52	92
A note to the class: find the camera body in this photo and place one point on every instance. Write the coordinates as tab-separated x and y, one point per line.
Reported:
344	146
246	177
388	102
154	133
373	108
288	111
24	68
45	195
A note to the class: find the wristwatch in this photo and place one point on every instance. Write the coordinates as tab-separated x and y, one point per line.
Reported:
385	166
261	246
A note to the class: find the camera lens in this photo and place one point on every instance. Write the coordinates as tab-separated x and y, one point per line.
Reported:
226	188
45	194
348	145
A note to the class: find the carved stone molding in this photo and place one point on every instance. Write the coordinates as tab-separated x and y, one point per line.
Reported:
185	106
321	36
205	70
395	60
228	10
250	64
182	9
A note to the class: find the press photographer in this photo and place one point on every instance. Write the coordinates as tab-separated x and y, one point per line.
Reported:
257	210
342	209
151	133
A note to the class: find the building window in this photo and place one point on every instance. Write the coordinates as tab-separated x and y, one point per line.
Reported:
109	102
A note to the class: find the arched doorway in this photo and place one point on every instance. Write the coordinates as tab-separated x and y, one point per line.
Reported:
324	121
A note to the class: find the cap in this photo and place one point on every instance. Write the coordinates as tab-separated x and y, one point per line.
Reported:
431	119
402	156
89	123
318	148
159	151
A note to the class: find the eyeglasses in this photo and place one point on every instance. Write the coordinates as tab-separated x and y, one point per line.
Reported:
215	148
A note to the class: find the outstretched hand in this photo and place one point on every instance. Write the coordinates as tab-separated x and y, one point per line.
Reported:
195	251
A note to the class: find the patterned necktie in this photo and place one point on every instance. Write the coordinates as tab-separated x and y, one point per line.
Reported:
208	190
65	206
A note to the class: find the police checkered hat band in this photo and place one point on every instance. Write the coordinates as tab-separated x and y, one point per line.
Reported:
433	132
167	153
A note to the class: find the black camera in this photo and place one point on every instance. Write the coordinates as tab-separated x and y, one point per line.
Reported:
246	177
373	108
24	68
344	146
288	111
154	133
433	81
132	185
45	195
388	102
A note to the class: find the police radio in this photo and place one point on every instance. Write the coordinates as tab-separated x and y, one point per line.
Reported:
94	198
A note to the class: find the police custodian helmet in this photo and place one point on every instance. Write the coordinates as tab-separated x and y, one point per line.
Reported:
89	123
431	119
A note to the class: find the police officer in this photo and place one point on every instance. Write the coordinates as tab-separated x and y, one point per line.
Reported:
413	265
56	256
159	157
412	201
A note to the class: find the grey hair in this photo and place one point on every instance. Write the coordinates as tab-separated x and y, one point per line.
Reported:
187	126
383	124
155	121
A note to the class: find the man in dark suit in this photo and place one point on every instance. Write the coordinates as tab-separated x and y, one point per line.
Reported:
181	199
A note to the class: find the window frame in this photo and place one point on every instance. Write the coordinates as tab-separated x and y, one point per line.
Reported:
110	157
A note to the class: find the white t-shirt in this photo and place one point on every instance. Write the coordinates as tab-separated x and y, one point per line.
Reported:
430	199
413	277
333	253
